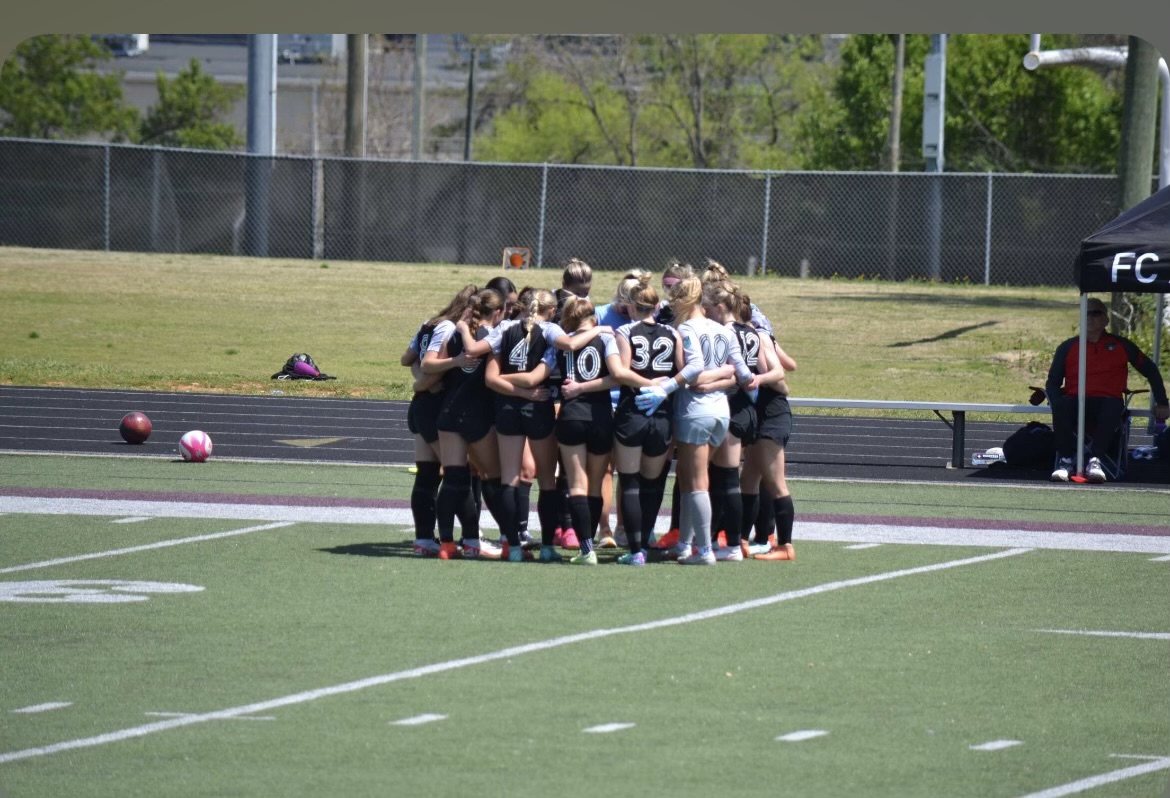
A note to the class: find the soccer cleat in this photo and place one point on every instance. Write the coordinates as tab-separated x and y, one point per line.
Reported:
1063	468
549	554
619	535
515	555
566	539
426	547
1094	471
606	542
777	553
481	549
721	540
729	554
448	551
584	559
666	541
703	556
630	558
527	541
759	548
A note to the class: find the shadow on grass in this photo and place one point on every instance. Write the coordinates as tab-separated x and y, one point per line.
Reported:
399	549
952	300
955	333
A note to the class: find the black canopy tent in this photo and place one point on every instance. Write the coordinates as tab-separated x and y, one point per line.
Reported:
1129	254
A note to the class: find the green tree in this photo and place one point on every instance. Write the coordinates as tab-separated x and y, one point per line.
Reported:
48	90
999	116
188	112
655	100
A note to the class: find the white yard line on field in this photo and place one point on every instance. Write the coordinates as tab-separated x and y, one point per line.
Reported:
861	532
162	544
1091	782
451	665
1092	633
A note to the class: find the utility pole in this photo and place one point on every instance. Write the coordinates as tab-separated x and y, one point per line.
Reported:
355	95
895	143
470	125
894	155
261	140
1135	161
419	104
933	117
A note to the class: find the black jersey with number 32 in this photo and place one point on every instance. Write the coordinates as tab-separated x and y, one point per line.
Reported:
652	348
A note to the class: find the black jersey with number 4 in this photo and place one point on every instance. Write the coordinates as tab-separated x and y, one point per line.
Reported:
519	351
652	348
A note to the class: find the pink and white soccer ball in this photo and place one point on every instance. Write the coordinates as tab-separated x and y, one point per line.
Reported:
195	446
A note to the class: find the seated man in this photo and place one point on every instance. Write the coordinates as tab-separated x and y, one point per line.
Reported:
1107	362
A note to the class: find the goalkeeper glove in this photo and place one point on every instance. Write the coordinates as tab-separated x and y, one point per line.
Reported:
651	397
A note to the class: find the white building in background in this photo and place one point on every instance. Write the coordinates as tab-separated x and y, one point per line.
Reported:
293	47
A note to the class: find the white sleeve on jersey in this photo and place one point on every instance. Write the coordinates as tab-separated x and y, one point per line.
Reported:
443	330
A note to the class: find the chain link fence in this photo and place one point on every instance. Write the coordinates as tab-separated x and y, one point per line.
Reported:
978	228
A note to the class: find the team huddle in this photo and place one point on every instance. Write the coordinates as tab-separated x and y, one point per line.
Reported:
513	387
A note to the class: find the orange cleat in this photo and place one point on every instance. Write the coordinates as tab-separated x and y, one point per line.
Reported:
666	541
447	551
721	540
777	553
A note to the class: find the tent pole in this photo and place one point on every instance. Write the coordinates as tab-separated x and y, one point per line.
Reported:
1082	368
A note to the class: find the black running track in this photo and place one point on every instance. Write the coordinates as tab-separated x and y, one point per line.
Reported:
299	429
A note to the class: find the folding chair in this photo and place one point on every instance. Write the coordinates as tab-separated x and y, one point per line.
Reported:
1115	460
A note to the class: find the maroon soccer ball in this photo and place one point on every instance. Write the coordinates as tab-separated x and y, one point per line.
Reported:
135	427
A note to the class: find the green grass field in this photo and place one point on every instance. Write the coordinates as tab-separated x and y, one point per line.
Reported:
278	656
180	322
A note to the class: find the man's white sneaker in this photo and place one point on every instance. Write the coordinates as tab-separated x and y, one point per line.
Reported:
1094	472
729	554
1063	468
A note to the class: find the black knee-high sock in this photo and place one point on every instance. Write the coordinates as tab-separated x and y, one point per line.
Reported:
507	518
594	515
751	508
563	516
579	510
523	502
477	492
491	498
454	496
630	487
422	499
548	504
651	500
732	504
675	505
785	515
766	517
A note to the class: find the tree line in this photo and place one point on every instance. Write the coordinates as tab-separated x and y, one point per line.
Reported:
732	101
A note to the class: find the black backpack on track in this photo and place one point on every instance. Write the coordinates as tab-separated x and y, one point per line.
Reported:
1031	446
301	367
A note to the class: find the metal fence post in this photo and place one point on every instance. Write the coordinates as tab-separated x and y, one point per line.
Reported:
106	200
767	214
540	228
987	238
316	196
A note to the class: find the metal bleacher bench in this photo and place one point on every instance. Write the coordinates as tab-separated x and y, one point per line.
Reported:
958	411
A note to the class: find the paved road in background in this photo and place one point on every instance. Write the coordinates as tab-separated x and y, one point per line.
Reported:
298	429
